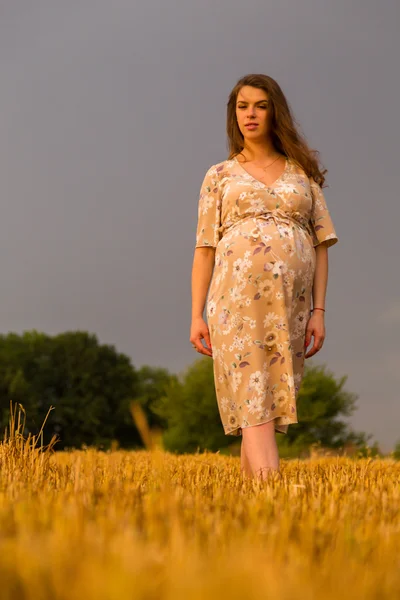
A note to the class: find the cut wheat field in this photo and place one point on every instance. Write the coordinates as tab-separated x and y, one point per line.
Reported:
93	525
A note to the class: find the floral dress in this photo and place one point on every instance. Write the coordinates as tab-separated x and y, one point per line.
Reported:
259	298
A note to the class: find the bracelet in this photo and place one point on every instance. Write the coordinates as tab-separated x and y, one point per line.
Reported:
316	308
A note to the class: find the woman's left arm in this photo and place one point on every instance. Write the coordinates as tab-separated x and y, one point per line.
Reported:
323	236
316	324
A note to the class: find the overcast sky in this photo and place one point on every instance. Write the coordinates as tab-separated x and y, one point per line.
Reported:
111	113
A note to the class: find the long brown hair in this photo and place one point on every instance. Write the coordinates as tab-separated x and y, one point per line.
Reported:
285	136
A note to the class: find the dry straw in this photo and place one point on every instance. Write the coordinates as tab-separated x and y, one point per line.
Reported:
150	525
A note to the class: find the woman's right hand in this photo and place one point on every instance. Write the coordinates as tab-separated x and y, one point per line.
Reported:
198	331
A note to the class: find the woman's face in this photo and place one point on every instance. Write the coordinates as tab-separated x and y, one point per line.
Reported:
252	108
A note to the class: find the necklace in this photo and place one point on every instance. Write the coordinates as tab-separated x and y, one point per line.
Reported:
265	168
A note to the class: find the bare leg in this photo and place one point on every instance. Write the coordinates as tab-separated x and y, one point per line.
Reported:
261	449
244	463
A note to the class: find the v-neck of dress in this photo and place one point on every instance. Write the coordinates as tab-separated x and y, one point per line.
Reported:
261	182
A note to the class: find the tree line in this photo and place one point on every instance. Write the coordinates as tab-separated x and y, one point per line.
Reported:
91	387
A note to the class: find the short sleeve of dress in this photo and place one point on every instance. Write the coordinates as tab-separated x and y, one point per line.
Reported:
322	226
209	210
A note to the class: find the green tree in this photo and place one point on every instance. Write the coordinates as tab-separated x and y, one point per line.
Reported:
190	410
396	451
152	383
321	405
90	386
20	357
189	407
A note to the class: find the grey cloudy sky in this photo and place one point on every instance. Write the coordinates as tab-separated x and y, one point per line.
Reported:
111	113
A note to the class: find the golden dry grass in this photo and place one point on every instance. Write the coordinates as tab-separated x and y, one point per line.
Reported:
150	525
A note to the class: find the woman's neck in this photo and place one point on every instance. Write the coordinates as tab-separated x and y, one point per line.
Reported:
259	152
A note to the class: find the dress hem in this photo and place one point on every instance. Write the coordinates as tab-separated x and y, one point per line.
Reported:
239	428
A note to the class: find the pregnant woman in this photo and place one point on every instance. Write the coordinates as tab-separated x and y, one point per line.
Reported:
261	255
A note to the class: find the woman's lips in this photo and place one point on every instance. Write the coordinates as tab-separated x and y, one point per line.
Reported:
251	126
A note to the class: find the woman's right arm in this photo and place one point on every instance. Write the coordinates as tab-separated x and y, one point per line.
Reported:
203	266
207	238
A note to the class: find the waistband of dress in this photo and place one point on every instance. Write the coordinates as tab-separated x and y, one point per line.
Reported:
279	216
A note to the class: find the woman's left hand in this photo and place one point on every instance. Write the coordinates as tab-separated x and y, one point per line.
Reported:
315	327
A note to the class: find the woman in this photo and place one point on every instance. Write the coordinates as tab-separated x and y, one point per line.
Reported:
261	253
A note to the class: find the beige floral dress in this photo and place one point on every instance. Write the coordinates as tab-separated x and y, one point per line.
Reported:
259	298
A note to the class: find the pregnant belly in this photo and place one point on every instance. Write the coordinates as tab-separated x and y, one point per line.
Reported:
260	257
